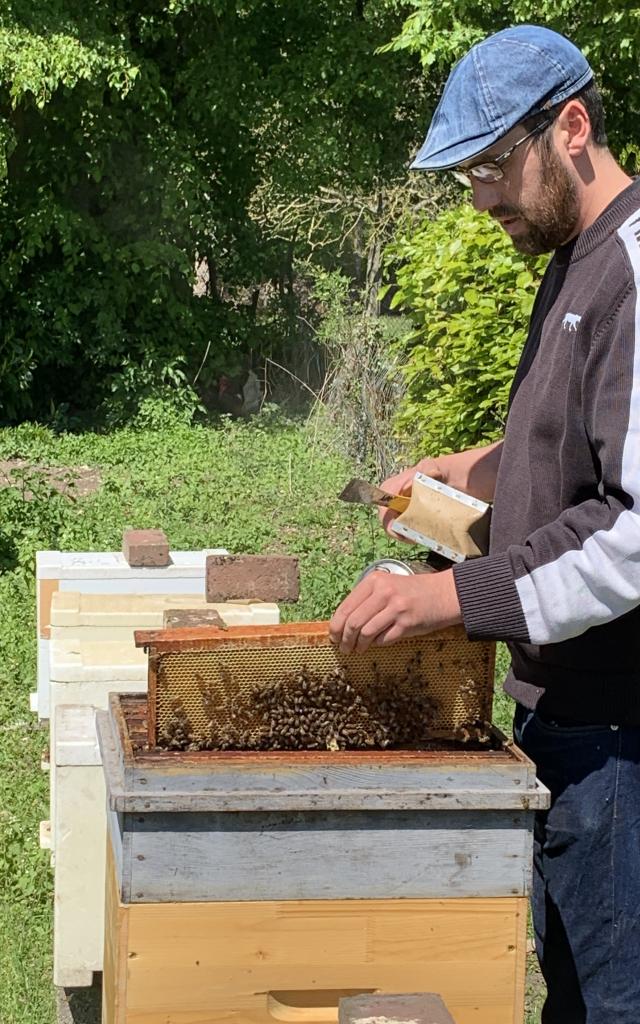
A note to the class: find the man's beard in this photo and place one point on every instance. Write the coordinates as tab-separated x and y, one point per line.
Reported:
550	217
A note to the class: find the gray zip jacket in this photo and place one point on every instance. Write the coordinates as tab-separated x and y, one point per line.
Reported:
561	583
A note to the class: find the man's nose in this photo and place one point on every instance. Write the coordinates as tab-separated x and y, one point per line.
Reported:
485	195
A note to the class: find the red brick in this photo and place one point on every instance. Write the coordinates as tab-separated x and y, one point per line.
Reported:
146	548
254	577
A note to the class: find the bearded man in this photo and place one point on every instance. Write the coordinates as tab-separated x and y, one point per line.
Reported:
520	121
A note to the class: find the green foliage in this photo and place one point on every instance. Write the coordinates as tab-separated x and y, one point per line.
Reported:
469	294
132	140
25	875
362	385
441	31
150	395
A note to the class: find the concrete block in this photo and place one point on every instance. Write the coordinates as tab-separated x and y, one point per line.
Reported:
146	547
259	577
379	1008
176	618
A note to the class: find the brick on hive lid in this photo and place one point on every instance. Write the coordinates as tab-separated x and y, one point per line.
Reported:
257	577
146	548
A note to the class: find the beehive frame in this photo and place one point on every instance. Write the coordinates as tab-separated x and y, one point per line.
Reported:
457	673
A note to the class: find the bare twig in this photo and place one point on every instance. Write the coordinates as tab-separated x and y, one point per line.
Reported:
293	376
204	359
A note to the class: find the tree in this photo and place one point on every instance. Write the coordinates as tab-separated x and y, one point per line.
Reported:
134	137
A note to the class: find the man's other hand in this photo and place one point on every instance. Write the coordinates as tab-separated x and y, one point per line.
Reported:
401	484
384	608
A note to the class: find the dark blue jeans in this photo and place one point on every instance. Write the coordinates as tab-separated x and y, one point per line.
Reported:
586	883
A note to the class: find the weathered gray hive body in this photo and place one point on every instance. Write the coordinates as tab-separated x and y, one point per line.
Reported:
233	826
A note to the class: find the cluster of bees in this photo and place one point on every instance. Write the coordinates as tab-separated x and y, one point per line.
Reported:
314	710
306	710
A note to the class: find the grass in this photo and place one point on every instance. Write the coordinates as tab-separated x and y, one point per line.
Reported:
267	486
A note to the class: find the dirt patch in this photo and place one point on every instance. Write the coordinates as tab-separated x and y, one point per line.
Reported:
535	991
72	481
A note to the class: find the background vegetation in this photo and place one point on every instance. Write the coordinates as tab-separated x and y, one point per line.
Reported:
468	330
143	139
175	173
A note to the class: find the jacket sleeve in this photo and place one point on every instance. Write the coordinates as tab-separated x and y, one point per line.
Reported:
583	568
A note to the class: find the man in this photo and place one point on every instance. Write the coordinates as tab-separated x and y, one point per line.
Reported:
521	120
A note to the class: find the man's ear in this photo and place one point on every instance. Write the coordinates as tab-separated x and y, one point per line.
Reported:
574	128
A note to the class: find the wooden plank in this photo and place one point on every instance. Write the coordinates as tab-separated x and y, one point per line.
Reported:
313	933
79	872
210	963
328	800
210	638
46	590
377	771
328	855
166	778
115	830
116	949
331	770
521	967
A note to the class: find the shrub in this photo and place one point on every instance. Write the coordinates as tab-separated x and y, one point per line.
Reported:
362	385
468	294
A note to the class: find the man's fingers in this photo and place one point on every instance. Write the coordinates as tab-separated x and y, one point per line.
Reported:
359	594
374	630
401	483
369	598
364	624
390	635
387	517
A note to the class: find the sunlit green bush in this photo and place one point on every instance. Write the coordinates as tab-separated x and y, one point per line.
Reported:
468	294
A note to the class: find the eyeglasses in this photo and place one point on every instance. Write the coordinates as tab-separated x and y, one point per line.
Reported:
492	169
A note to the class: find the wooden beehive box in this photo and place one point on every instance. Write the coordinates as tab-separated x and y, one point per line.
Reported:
248	886
104	572
92	653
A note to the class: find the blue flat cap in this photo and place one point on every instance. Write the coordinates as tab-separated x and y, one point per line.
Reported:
497	84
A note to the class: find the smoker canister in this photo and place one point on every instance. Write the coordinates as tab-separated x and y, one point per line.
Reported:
397	568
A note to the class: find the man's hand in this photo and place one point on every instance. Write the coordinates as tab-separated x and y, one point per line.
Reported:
473	471
384	607
401	484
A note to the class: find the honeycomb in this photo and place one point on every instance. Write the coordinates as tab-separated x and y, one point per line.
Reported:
185	672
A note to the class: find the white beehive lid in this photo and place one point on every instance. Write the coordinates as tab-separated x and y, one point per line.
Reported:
89	565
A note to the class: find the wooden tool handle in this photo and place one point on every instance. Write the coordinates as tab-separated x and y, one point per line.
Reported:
399	503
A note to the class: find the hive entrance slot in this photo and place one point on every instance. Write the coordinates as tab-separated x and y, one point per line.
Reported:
310	1005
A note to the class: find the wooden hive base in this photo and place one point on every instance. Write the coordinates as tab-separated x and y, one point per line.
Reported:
256	962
